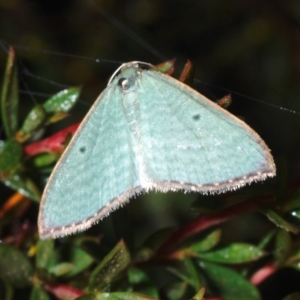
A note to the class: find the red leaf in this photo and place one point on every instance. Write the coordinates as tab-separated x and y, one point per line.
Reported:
186	73
54	143
263	273
62	291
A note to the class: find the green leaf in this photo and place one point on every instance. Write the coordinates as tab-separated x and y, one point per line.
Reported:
137	276
166	67
228	284
234	254
279	221
176	290
63	101
44	159
9	96
10	157
188	273
80	261
267	238
10	165
38	293
129	296
67	259
141	283
23	185
208	242
44	251
111	266
61	269
34	120
199	295
15	268
283	245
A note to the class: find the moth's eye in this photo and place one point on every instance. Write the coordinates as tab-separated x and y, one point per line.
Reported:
124	83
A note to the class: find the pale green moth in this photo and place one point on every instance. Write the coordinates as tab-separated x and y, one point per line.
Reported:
148	131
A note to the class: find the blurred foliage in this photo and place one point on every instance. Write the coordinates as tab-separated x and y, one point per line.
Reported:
150	248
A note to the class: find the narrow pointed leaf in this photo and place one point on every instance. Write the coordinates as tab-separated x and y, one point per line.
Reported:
137	276
280	221
188	273
283	245
228	284
166	67
177	290
225	102
234	254
207	242
80	261
44	251
199	295
34	120
61	269
112	265
187	73
63	101
9	96
44	160
141	282
24	186
267	238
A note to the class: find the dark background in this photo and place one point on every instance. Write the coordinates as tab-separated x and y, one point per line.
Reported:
248	47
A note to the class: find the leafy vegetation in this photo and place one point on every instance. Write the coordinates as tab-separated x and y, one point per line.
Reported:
188	262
